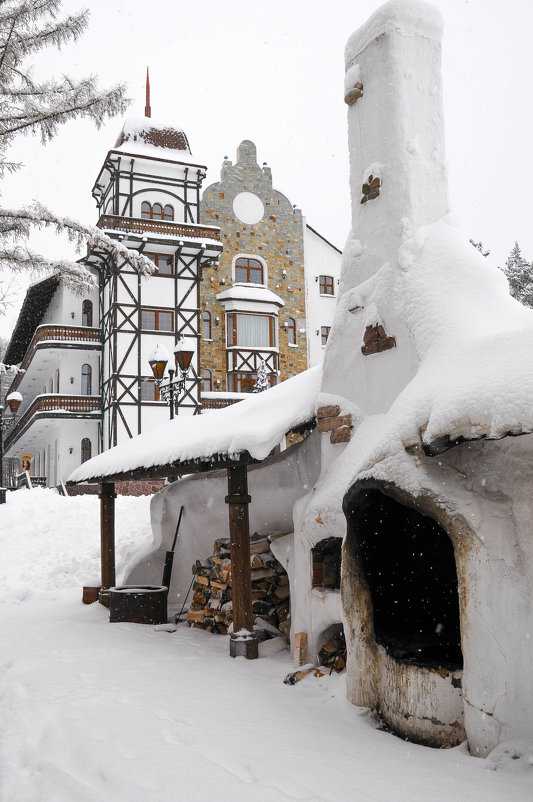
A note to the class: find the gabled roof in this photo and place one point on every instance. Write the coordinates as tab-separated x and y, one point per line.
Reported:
32	312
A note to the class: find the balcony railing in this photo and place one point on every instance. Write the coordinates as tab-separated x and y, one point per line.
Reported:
77	404
219	403
138	225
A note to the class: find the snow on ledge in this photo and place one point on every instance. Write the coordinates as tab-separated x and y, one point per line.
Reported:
255	424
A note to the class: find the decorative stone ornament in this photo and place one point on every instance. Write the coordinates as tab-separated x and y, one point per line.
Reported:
376	339
370	188
352	95
330	420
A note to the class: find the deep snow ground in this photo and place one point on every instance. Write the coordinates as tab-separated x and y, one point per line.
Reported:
124	713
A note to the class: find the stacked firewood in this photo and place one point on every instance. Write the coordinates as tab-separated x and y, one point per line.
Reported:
211	606
333	653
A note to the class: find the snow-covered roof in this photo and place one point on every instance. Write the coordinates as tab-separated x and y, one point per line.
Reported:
255	425
250	292
148	137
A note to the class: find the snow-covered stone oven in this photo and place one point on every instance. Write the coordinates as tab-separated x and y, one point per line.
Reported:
430	356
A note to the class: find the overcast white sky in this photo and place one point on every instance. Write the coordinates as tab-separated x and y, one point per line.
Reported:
228	70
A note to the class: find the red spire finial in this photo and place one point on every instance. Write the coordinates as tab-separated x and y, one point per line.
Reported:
147	108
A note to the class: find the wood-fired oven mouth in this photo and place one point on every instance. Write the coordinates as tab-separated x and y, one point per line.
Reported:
406	561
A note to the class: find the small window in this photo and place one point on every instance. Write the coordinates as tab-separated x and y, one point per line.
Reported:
206	326
86	380
168	212
149	390
324	334
146	210
248	271
87	313
207	380
157	320
291	331
164	263
327	285
157	211
86	449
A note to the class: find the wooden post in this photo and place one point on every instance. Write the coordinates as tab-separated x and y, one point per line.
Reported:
107	498
243	641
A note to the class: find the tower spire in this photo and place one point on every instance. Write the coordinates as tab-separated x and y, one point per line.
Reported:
147	108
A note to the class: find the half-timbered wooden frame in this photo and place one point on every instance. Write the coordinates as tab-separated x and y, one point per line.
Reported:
151	205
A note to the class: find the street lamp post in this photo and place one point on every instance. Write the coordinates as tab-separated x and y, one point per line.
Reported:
170	389
13	402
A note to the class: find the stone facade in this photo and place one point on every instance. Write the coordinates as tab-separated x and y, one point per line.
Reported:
276	239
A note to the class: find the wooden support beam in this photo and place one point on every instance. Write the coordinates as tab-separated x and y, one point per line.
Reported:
243	641
107	498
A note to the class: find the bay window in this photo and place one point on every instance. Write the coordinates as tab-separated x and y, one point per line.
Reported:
251	331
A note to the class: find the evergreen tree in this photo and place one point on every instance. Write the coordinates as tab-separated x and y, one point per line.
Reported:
261	382
40	108
519	273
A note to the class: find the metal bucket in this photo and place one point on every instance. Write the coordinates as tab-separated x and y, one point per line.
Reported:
138	604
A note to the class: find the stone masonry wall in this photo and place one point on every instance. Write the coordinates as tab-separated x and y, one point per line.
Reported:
277	239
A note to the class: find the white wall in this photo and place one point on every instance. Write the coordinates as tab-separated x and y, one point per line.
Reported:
320	258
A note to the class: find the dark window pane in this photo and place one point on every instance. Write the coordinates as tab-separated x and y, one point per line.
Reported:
85	449
145	210
164	264
147	319
87	313
148	390
86	375
165	321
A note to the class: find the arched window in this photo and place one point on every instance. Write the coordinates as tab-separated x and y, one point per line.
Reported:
291	331
85	449
207	380
156	211
87	313
206	326
86	380
248	271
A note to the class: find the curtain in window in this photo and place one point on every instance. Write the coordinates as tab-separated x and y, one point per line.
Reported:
253	330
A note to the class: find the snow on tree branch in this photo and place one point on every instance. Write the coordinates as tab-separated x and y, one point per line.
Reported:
16	224
40	107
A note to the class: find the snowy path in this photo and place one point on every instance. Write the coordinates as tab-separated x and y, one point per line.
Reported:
95	711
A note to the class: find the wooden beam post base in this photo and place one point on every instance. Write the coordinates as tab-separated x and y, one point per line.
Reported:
244	646
242	641
107	498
